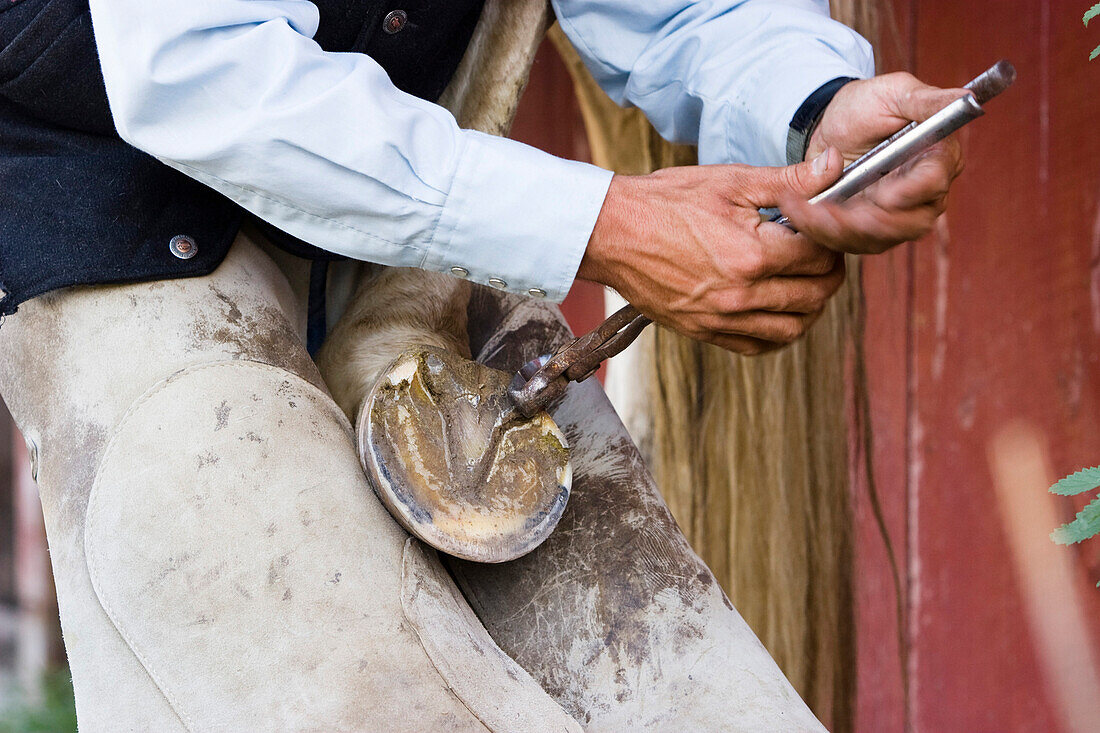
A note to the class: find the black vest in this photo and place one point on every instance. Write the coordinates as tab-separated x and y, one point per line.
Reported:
78	206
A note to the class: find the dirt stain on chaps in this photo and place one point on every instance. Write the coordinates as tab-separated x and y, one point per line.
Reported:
615	615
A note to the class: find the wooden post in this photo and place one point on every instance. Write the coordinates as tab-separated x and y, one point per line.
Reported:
38	638
549	119
7	544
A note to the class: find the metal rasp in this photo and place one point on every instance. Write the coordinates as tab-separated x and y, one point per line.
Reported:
916	137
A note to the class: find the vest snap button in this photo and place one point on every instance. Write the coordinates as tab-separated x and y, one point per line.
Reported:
395	21
183	247
460	272
497	283
537	293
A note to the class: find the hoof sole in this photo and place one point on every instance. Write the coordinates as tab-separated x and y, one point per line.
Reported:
455	464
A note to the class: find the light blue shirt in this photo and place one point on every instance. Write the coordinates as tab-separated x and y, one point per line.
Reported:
236	94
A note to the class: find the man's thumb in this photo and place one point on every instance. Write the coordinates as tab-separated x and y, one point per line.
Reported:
802	179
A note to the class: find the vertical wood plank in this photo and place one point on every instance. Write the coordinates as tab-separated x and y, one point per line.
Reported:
38	644
880	518
1002	332
7	543
880	510
550	119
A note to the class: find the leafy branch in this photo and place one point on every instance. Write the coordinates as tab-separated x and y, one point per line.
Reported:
1089	15
1087	522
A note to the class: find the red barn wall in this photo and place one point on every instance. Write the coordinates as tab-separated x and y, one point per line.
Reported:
986	335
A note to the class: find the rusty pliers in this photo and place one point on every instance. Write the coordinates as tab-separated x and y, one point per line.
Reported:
543	380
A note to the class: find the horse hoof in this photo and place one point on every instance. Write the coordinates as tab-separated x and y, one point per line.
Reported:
456	464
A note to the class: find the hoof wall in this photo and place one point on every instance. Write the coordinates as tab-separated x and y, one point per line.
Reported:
455	464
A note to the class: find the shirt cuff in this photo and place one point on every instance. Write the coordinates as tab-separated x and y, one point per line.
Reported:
808	116
516	218
773	102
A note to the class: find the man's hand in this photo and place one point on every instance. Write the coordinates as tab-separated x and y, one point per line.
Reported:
688	248
905	204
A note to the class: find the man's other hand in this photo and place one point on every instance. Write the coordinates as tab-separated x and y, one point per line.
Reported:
688	248
905	204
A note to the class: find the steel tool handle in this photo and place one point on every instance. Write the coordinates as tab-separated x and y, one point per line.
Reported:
984	87
915	138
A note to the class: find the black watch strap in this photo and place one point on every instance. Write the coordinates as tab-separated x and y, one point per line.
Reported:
808	115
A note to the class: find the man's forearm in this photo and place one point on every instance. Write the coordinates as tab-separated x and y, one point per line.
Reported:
237	95
726	75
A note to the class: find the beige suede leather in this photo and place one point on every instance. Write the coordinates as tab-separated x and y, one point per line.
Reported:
71	364
221	563
614	614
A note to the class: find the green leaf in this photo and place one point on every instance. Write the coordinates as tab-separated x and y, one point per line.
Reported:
1084	526
1091	13
1084	480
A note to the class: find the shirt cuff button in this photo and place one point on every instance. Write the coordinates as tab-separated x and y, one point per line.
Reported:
460	272
497	283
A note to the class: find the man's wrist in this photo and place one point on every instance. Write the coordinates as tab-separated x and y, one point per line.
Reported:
595	265
808	116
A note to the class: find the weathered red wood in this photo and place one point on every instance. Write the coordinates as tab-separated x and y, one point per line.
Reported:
881	636
7	544
38	645
550	119
1001	331
880	700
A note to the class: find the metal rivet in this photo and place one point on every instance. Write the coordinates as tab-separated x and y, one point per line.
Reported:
183	247
537	293
460	272
497	283
395	21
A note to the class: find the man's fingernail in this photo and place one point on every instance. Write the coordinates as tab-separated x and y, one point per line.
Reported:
821	162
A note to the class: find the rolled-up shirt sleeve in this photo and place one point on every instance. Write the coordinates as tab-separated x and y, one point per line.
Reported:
726	75
236	94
